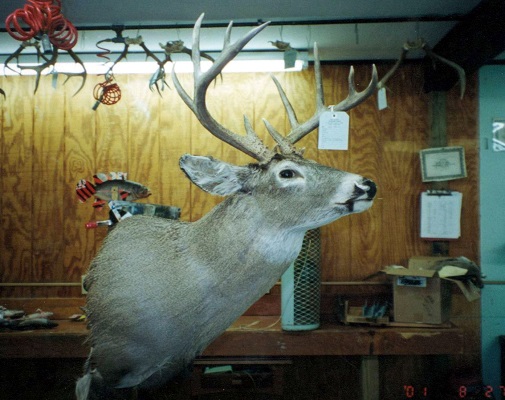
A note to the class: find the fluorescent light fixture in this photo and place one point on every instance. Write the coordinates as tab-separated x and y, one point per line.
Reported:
248	63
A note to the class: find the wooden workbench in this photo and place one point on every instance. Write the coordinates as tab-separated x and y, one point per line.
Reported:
262	336
256	336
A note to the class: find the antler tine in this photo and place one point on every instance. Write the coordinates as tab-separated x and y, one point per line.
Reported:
354	98
227	35
298	131
250	143
195	50
389	74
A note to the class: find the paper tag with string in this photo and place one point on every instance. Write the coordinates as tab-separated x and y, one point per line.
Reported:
333	130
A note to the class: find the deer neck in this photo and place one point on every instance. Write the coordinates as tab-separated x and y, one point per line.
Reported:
242	255
239	228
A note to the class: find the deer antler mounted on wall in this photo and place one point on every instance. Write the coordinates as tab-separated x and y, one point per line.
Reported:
44	25
194	279
158	78
420	44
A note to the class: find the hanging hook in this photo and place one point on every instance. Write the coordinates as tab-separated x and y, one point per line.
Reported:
309	36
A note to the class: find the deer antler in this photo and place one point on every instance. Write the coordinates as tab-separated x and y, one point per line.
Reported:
298	131
251	144
46	62
420	44
460	71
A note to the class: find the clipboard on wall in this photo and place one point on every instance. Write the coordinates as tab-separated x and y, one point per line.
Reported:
441	215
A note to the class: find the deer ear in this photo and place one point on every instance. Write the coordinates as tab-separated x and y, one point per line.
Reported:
213	176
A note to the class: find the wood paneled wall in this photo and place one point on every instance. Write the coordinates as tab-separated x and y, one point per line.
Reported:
51	139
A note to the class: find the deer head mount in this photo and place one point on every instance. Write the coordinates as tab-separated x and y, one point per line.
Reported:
194	279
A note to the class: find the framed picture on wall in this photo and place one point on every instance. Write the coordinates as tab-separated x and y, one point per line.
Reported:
443	163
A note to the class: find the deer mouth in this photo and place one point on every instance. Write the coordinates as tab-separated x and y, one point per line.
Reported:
350	204
363	192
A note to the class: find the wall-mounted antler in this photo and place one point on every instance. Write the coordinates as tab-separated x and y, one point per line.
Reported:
250	143
157	80
47	61
43	24
420	44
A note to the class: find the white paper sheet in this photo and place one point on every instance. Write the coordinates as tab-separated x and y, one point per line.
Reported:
441	215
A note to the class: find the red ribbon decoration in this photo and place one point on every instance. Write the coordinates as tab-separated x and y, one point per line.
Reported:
42	17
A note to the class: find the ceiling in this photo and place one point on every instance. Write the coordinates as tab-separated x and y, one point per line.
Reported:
344	30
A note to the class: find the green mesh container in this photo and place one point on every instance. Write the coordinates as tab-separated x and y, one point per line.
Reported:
301	287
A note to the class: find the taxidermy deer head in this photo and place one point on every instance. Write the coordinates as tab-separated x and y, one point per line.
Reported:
160	291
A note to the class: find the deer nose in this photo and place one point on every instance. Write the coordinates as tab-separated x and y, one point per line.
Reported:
367	186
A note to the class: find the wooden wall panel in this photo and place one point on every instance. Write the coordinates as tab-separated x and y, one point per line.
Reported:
143	133
79	161
16	197
111	147
270	107
366	144
52	139
404	132
335	245
48	185
175	140
235	98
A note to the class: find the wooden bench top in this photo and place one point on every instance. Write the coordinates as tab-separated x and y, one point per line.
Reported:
256	336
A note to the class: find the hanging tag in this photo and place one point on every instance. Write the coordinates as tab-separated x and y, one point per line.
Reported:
333	130
54	80
382	101
290	58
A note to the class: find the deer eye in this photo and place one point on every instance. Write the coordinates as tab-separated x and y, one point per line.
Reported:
287	173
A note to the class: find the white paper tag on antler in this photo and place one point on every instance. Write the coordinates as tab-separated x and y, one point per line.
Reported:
333	130
382	101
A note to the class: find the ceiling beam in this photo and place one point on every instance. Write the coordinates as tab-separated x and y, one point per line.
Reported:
285	22
473	42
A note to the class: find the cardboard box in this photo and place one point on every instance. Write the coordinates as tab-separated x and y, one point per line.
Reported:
421	299
420	294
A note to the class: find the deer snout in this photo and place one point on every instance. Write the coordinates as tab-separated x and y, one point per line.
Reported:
367	187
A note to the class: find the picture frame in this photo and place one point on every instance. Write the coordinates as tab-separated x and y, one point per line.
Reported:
443	163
